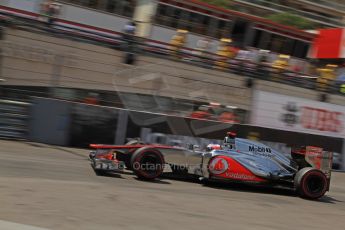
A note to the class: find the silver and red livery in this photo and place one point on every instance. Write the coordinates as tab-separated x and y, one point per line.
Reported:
307	170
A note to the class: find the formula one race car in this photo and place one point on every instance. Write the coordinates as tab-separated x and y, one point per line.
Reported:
307	170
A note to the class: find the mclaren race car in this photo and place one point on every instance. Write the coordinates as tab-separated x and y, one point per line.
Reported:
307	170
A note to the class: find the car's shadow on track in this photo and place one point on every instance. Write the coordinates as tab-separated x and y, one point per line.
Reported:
329	200
265	190
111	174
231	186
250	188
156	181
119	175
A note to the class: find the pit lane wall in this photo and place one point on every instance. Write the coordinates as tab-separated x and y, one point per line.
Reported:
75	124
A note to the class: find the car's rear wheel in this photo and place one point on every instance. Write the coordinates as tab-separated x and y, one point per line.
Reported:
311	183
147	163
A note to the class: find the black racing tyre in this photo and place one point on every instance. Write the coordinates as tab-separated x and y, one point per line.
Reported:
147	163
311	183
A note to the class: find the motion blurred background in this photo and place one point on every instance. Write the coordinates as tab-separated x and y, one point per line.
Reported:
77	72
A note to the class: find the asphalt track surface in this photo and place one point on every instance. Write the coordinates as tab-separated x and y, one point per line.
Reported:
50	187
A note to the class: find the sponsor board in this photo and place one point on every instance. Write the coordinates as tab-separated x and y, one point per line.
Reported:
297	114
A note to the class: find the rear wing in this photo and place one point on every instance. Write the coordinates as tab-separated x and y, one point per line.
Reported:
317	158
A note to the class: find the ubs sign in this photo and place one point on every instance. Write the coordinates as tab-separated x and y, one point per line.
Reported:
312	118
297	114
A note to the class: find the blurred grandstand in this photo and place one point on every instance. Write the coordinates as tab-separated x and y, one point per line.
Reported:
258	49
199	18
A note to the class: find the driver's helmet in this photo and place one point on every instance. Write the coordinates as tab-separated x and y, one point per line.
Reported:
211	147
229	140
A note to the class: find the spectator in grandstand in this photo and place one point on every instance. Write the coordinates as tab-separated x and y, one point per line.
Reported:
50	10
340	81
295	72
202	50
327	77
244	61
263	63
279	66
129	32
91	99
282	62
130	28
225	52
312	69
342	87
243	55
297	69
177	43
203	112
203	46
255	136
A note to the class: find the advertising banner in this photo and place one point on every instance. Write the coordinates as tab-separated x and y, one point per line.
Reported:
297	114
330	44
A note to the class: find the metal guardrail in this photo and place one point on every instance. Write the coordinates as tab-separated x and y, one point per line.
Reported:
13	119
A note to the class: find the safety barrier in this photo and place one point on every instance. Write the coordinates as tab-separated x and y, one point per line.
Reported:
14	119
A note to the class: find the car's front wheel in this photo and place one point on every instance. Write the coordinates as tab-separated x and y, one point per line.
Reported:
126	157
147	163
